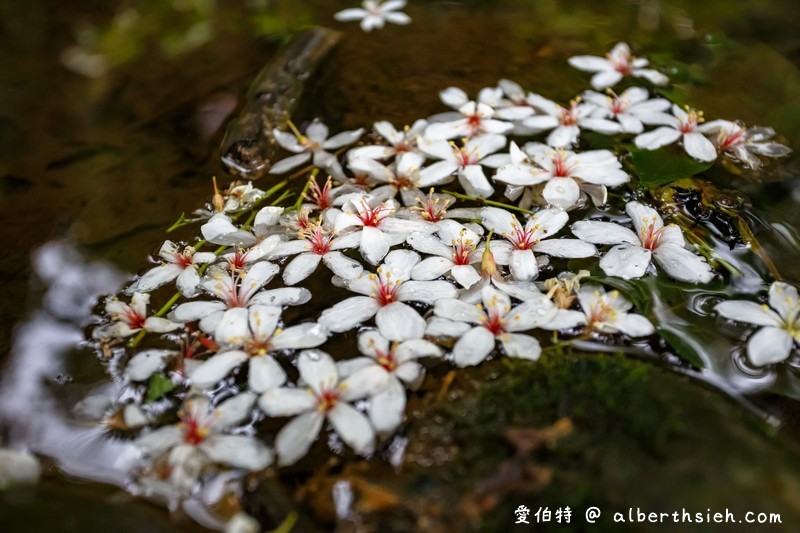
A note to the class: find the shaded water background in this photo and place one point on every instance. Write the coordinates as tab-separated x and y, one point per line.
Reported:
106	163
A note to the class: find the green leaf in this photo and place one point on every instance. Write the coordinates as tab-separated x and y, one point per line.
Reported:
678	342
659	167
157	387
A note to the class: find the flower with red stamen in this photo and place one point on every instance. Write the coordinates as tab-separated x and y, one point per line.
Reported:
324	396
631	256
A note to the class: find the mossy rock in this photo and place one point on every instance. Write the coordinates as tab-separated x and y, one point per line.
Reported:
572	430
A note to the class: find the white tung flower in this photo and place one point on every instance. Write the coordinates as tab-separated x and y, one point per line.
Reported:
262	339
652	240
384	294
179	265
454	251
251	246
780	319
378	229
313	146
317	243
324	396
474	118
681	125
530	237
466	161
744	144
201	438
603	312
617	64
400	142
632	109
399	360
375	14
128	319
406	177
563	171
227	319
495	321
565	123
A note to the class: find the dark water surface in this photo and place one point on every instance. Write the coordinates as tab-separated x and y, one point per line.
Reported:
98	164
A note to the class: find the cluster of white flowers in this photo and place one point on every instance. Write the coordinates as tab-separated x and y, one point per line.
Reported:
429	277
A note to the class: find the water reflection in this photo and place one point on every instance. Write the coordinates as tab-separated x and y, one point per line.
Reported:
34	417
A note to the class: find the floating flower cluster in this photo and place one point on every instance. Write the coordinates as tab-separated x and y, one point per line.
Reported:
417	268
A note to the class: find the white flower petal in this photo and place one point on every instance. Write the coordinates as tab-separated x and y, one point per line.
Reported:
307	335
531	314
210	372
414	349
386	409
750	312
372	343
220	230
521	346
427	292
296	437
287	402
351	14
563	136
523	265
633	325
233	411
146	363
590	63
699	147
565	319
465	275
453	97
188	282
681	264
627	261
769	345
500	220
374	245
474	181
459	311
158	441
234	326
343	266
343	139
605	78
443	327
397	322
783	298
364	383
353	427
239	451
160	325
657	138
570	248
349	313
299	268
473	347
282	296
317	370
156	277
263	320
603	232
265	373
562	192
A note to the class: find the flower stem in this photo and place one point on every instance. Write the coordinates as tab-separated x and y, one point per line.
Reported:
484	201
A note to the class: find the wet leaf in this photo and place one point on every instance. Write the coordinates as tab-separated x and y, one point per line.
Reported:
659	167
158	386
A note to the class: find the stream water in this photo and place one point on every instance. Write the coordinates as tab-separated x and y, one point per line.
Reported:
110	123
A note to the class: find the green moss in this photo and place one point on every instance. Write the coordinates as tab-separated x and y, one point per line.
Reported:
642	437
